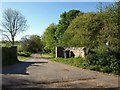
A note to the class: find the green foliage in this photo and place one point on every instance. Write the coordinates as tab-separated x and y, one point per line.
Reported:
47	56
23	58
25	54
109	32
64	22
19	48
83	31
31	43
99	32
104	60
54	33
49	38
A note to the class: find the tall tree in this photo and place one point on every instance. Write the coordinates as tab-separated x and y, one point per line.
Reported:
49	38
64	22
13	23
83	31
109	34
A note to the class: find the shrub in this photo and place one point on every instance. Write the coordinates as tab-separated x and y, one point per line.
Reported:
103	60
106	69
31	43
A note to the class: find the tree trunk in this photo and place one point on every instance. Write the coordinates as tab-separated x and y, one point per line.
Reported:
13	42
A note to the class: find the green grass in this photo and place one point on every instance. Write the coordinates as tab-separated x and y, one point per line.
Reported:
46	56
22	58
3	44
77	62
24	54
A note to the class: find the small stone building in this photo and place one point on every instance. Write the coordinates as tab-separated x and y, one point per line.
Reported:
71	52
78	51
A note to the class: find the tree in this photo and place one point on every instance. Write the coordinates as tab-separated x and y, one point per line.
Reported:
100	7
13	23
83	31
31	43
49	39
53	35
108	52
110	29
64	22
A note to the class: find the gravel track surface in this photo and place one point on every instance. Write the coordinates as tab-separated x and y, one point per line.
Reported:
42	73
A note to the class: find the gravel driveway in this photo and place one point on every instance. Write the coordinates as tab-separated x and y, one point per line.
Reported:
42	73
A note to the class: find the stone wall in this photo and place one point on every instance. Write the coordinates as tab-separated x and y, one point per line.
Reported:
73	52
9	55
59	52
78	51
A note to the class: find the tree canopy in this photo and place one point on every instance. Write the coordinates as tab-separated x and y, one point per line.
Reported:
91	29
49	38
83	31
31	43
64	22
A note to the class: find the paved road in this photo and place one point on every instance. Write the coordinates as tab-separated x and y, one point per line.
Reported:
37	72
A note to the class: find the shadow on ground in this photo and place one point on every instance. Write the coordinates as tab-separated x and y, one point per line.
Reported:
19	68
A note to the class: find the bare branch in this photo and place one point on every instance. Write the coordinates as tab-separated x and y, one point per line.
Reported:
13	23
7	37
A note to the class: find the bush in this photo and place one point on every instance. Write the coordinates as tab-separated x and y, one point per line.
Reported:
92	67
103	60
31	43
106	69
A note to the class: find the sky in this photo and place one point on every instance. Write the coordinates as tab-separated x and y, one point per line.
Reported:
40	15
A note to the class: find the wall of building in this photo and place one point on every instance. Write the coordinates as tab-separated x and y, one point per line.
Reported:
78	51
73	52
59	52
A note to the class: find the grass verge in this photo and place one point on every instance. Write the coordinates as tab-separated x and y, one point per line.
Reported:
77	62
46	56
82	63
22	58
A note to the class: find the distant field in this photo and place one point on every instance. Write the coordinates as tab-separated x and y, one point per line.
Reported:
8	45
20	58
3	45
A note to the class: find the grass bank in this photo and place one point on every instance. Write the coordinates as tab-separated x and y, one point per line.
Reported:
22	58
46	56
77	62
